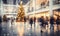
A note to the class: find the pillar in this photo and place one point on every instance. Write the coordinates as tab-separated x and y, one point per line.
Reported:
51	7
1	7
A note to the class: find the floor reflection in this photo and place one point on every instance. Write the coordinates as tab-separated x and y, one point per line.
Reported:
21	29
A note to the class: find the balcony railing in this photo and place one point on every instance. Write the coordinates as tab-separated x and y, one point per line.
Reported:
44	6
38	8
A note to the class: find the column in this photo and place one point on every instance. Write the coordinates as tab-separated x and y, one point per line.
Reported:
51	7
34	5
1	8
34	10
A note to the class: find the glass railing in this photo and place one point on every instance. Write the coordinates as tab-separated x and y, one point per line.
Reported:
30	10
13	9
40	8
43	6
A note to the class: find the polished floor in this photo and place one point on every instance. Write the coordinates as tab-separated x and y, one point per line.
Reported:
21	29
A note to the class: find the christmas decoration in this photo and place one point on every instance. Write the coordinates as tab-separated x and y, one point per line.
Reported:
20	15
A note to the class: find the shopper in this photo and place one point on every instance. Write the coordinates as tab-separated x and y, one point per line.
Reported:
0	19
0	25
31	22
52	22
41	20
34	21
58	22
25	20
46	22
4	18
12	20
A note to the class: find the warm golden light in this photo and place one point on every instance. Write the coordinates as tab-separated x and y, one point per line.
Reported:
21	12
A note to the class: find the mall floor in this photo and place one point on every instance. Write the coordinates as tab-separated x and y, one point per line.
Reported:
21	29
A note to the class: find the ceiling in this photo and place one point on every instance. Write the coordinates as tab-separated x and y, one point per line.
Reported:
14	1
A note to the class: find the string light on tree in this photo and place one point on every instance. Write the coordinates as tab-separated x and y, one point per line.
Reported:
20	15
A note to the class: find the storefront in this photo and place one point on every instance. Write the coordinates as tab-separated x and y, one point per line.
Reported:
56	13
38	15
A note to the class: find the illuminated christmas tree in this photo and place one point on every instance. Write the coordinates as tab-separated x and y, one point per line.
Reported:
20	15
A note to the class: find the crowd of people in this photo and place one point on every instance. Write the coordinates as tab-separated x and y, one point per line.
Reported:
4	19
43	21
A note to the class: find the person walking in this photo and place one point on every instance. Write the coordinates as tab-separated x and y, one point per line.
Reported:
46	22
31	22
41	20
0	19
58	22
34	21
52	22
0	25
4	18
12	20
25	20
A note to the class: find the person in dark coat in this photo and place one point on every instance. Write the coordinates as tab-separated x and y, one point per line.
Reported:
12	20
4	18
52	22
46	22
31	22
58	22
25	20
0	25
41	20
0	19
34	21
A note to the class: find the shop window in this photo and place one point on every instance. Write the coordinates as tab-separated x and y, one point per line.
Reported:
28	9
56	2
48	3
43	3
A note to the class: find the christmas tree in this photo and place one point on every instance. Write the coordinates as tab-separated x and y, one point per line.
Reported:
20	15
